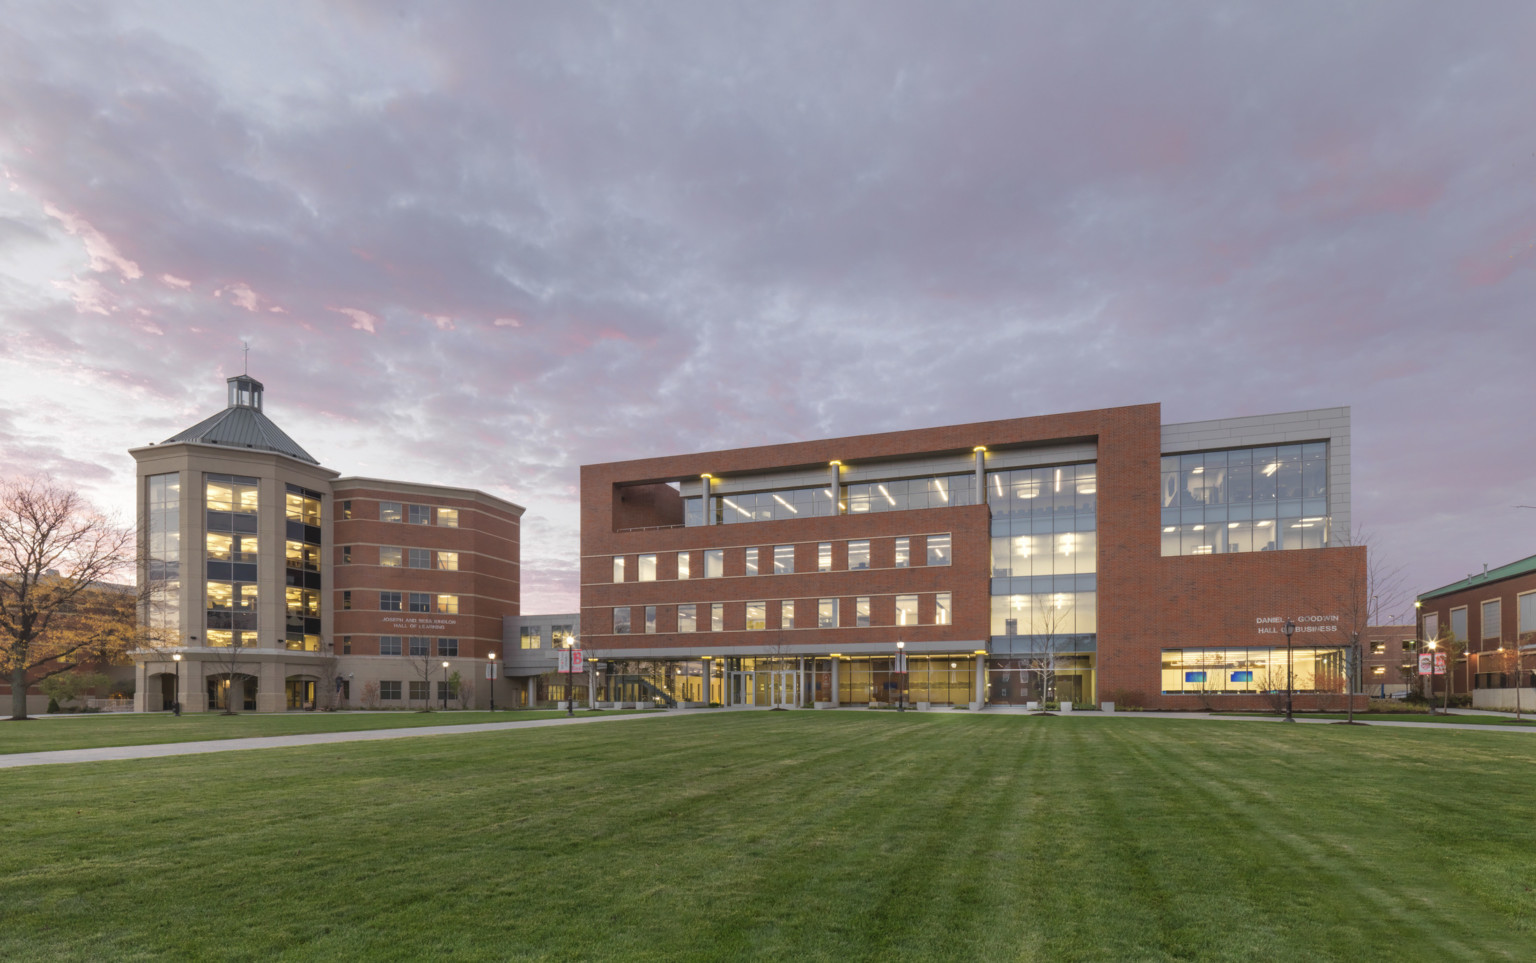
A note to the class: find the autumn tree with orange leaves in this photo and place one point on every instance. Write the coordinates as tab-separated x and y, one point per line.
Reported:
58	604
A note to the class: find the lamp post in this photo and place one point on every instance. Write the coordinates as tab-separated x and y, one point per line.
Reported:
1429	678
176	692
901	676
1290	627
445	685
570	690
493	681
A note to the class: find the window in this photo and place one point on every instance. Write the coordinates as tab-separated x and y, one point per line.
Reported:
1253	670
903	552
418	514
650	620
391	557
302	506
390	512
618	568
448	604
858	553
861	611
826	614
687	618
346	645
824	556
530	637
561	636
346	601
621	619
714	562
419	690
1459	623
388	602
419	558
941	609
389	645
448	647
389	691
647	568
757	616
752	561
1378	648
447	690
938	549
448	517
420	645
1215	502
787	614
346	509
906	610
717	617
1493	615
448	561
682	564
231	493
1527	605
783	560
1431	626
420	602
346	555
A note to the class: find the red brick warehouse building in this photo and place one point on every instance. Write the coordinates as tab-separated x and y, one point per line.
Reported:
1085	557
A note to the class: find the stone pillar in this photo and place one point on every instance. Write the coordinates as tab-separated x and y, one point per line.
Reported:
141	699
980	697
533	691
835	485
194	685
706	486
836	663
709	668
271	694
981	475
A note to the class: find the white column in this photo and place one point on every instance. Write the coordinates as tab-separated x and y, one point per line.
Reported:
836	663
980	698
709	667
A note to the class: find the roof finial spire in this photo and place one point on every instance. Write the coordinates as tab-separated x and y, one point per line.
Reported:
245	349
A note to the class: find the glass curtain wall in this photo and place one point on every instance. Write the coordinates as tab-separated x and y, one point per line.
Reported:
1246	500
162	516
1252	670
897	494
232	521
304	598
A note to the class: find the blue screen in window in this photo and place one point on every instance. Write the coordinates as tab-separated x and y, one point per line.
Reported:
1194	677
1245	676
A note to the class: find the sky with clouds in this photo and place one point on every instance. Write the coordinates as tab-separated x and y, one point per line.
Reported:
481	244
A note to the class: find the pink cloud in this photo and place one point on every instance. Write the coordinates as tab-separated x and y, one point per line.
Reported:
103	254
361	320
171	280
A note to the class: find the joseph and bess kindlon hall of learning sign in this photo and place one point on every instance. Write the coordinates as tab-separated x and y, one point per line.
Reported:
1083	557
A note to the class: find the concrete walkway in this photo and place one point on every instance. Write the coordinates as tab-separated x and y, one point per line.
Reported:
156	751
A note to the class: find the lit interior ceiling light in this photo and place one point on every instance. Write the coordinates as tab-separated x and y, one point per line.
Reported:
1317	519
780	499
1199	528
1088	490
1302	525
1233	524
1169	528
887	495
1021	546
1058	479
1264	524
943	489
737	507
1270	468
1197	471
997	483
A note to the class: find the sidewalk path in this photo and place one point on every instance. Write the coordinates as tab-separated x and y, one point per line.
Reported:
105	753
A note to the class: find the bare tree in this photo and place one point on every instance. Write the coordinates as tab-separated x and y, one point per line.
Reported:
57	604
1362	599
1049	620
228	661
419	650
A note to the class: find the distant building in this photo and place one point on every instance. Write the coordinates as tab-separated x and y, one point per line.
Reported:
1390	653
275	584
1088	557
1494	615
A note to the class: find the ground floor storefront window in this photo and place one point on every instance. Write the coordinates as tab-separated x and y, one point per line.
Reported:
1041	678
1239	671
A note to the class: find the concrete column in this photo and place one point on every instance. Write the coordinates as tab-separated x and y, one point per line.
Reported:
141	699
981	476
709	668
836	663
835	484
980	698
533	691
706	485
271	694
194	685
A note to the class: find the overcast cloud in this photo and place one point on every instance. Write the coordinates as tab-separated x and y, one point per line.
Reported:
482	244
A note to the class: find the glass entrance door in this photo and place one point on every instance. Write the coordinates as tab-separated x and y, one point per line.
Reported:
779	689
301	693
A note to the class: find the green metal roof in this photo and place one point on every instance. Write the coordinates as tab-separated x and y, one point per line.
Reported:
1522	567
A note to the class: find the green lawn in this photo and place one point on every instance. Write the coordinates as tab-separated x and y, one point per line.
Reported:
1438	717
141	729
789	836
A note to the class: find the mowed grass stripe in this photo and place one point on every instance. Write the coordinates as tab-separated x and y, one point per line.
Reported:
793	836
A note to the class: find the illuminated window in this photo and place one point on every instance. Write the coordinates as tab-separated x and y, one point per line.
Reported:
647	568
390	512
903	552
826	614
783	560
787	614
942	614
751	562
448	517
530	637
346	510
824	556
448	561
682	564
938	549
714	563
757	616
687	618
861	611
448	604
618	568
858	553
717	617
906	610
391	556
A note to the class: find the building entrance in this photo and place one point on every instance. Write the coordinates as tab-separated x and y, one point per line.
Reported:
301	693
780	688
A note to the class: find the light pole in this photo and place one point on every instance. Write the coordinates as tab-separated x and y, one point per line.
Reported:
176	692
1429	677
570	691
493	681
445	686
901	676
1290	627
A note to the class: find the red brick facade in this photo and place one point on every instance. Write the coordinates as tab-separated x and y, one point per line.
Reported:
1145	602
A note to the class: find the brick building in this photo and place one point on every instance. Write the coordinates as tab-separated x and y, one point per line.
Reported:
1090	556
1493	615
274	583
